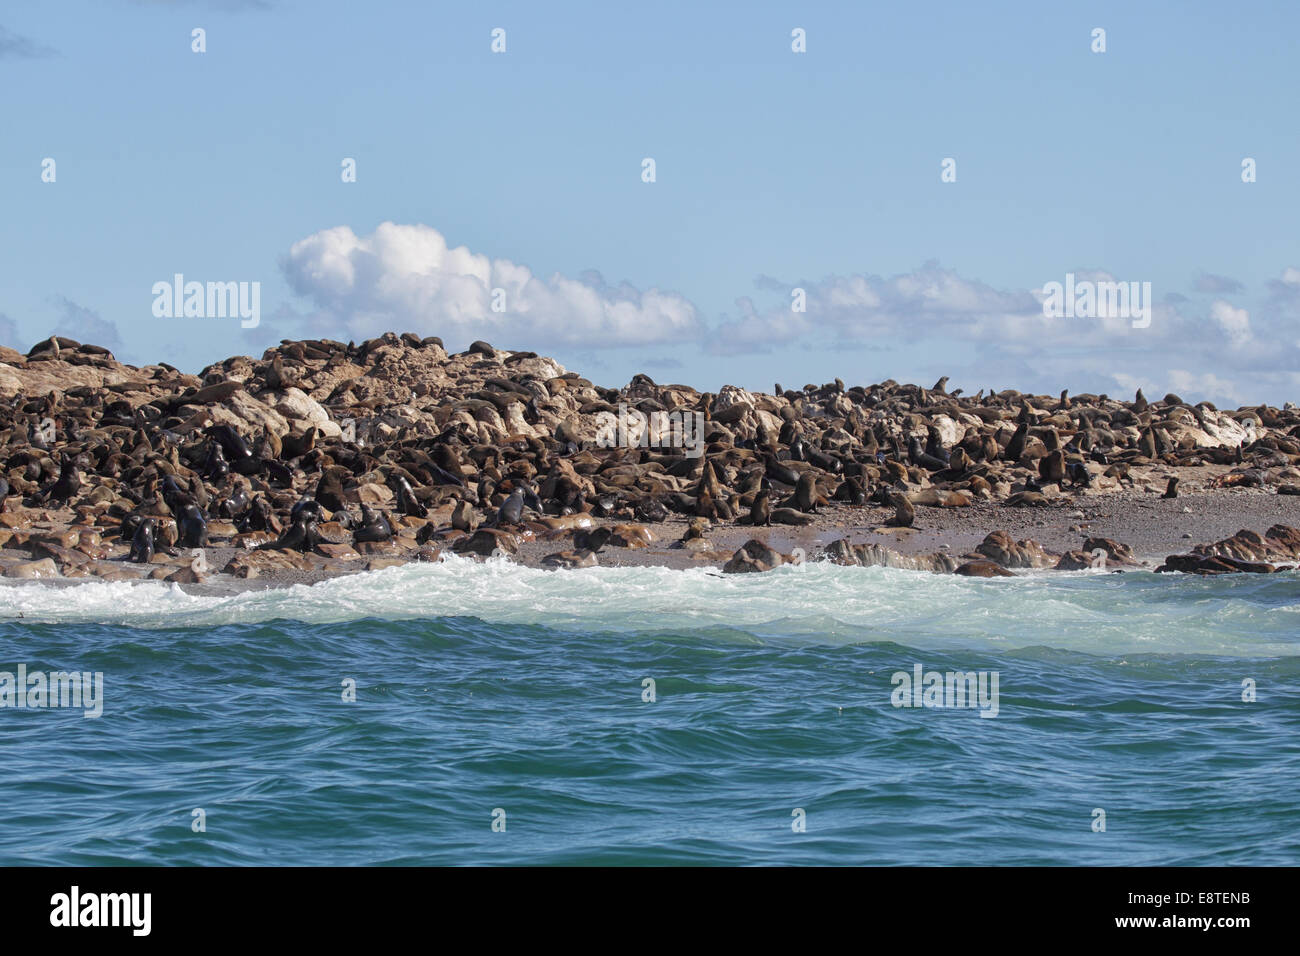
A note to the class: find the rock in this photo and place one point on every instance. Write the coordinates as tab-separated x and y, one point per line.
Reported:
1279	543
186	576
983	569
485	541
754	555
33	570
1075	561
1211	564
999	546
370	493
630	536
391	548
570	559
1116	553
873	555
338	552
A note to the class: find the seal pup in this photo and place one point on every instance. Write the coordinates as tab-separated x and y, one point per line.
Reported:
1171	490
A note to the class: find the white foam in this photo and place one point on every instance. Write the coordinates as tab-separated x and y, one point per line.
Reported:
1099	613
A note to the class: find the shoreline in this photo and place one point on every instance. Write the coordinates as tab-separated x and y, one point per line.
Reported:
1152	527
322	459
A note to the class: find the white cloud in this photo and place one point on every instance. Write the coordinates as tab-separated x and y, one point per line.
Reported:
406	277
935	322
1236	322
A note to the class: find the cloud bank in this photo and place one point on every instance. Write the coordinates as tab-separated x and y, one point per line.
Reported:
407	277
926	322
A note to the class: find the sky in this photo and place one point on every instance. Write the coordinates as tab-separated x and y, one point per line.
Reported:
503	196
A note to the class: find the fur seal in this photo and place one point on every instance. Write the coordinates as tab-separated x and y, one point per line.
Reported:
512	509
407	503
193	527
904	512
303	535
374	526
142	543
805	494
66	485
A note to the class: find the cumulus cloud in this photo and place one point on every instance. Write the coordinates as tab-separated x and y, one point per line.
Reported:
407	277
1236	322
940	322
923	323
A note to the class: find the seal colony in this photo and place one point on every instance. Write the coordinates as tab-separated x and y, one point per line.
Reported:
327	457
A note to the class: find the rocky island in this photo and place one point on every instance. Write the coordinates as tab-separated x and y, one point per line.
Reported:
324	458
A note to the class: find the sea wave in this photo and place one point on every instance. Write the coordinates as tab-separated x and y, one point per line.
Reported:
1132	613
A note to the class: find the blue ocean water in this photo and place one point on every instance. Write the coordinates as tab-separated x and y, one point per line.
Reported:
492	692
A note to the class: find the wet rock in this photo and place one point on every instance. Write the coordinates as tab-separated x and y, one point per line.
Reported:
874	555
1075	561
1000	547
1116	553
485	541
983	569
570	559
33	570
337	552
630	536
754	555
186	576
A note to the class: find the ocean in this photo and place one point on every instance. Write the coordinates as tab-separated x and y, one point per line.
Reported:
507	715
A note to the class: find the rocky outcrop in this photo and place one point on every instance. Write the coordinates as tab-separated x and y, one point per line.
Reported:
999	547
873	555
1245	551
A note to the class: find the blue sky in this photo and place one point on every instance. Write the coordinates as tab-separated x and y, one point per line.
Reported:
774	170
